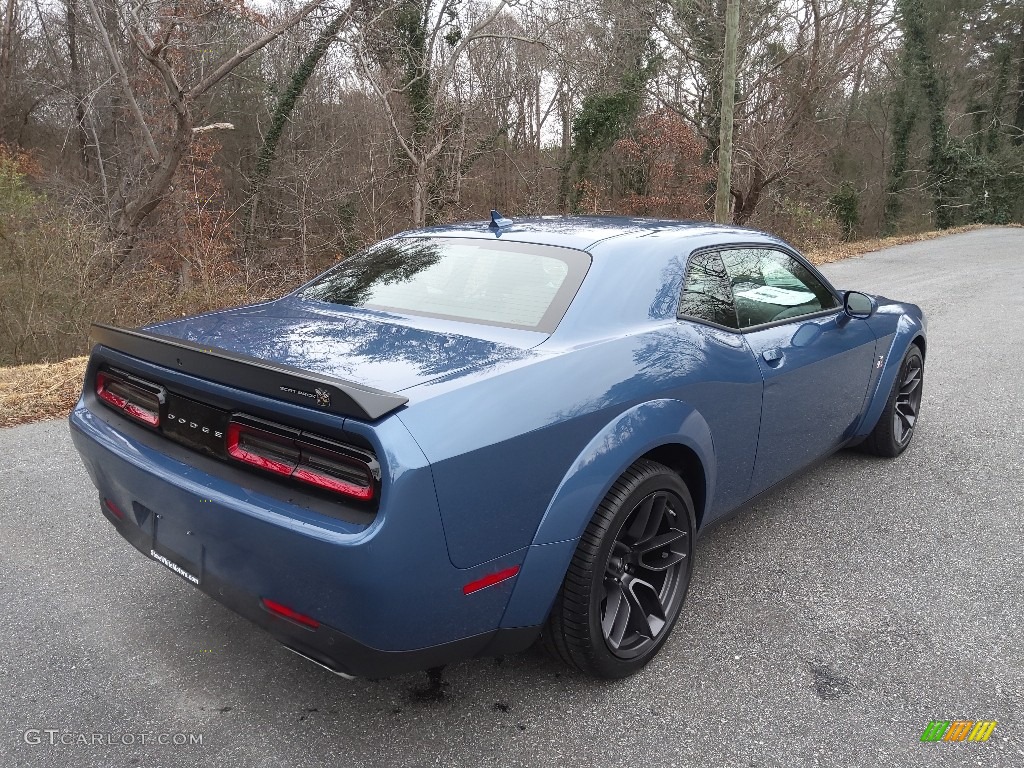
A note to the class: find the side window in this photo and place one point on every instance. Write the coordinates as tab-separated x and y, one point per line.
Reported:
706	294
770	285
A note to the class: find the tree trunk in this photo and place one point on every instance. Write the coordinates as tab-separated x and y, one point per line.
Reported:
419	193
722	195
71	15
564	190
143	204
7	41
1018	120
747	203
6	75
917	44
904	117
858	76
126	84
279	120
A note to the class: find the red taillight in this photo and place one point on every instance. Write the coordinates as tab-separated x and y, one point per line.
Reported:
261	449
303	459
136	399
327	472
490	580
289	613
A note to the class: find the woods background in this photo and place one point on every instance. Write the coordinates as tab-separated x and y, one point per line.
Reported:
160	157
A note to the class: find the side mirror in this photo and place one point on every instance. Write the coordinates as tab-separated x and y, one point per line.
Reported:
858	305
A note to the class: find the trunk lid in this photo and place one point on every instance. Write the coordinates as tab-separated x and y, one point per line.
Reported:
376	349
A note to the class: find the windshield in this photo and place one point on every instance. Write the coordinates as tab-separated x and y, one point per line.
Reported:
516	285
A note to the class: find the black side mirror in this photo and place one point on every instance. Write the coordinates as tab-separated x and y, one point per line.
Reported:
858	304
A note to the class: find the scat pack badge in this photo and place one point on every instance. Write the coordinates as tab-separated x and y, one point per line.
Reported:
320	396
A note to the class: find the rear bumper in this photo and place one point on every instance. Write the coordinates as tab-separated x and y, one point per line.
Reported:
330	647
386	596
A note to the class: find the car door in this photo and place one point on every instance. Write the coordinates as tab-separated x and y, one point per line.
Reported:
726	388
815	359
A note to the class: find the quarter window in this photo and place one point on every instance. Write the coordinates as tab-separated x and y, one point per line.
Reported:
706	294
769	285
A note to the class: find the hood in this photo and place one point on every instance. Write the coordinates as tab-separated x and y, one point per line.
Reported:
376	349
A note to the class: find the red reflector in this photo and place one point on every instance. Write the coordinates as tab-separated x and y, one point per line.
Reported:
490	580
113	509
288	613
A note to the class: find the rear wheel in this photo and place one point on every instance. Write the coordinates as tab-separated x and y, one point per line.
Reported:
628	578
895	427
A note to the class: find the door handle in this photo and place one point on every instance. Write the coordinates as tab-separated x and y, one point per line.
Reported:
772	356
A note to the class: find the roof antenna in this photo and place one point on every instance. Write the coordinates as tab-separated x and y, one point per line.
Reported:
498	221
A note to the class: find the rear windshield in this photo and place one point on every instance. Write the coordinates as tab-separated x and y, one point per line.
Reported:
516	285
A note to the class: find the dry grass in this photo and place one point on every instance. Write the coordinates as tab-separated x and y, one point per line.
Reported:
49	390
840	251
41	391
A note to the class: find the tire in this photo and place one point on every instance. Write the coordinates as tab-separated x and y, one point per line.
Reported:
895	428
628	579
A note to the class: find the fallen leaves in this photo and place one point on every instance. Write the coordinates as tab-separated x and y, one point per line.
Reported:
40	391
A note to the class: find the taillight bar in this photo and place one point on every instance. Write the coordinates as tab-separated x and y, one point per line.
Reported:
139	400
274	448
309	459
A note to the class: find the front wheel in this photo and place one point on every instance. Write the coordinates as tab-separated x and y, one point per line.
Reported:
628	578
895	427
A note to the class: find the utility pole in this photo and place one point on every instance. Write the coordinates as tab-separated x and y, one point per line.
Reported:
722	196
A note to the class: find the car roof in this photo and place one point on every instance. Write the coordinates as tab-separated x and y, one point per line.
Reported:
581	232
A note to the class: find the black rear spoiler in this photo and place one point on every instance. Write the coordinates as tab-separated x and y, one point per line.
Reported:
283	382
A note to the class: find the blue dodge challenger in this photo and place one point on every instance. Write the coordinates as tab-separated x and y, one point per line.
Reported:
470	437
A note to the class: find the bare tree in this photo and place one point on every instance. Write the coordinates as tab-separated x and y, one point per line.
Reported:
795	59
152	29
411	56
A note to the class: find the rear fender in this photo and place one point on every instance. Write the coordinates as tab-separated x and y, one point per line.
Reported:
604	459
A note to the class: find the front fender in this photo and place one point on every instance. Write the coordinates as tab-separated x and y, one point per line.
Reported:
909	329
612	450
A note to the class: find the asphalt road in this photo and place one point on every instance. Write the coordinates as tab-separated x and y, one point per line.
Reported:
826	626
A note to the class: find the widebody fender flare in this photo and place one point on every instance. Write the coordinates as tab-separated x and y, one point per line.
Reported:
622	441
909	330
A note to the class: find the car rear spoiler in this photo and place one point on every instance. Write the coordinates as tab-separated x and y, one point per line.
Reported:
283	382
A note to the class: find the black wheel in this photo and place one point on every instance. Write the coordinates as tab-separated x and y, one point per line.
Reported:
895	427
628	578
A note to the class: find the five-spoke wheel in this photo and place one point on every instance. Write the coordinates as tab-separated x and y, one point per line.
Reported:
628	579
645	574
908	399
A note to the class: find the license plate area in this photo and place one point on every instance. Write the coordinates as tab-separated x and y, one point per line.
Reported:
177	548
196	425
189	571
